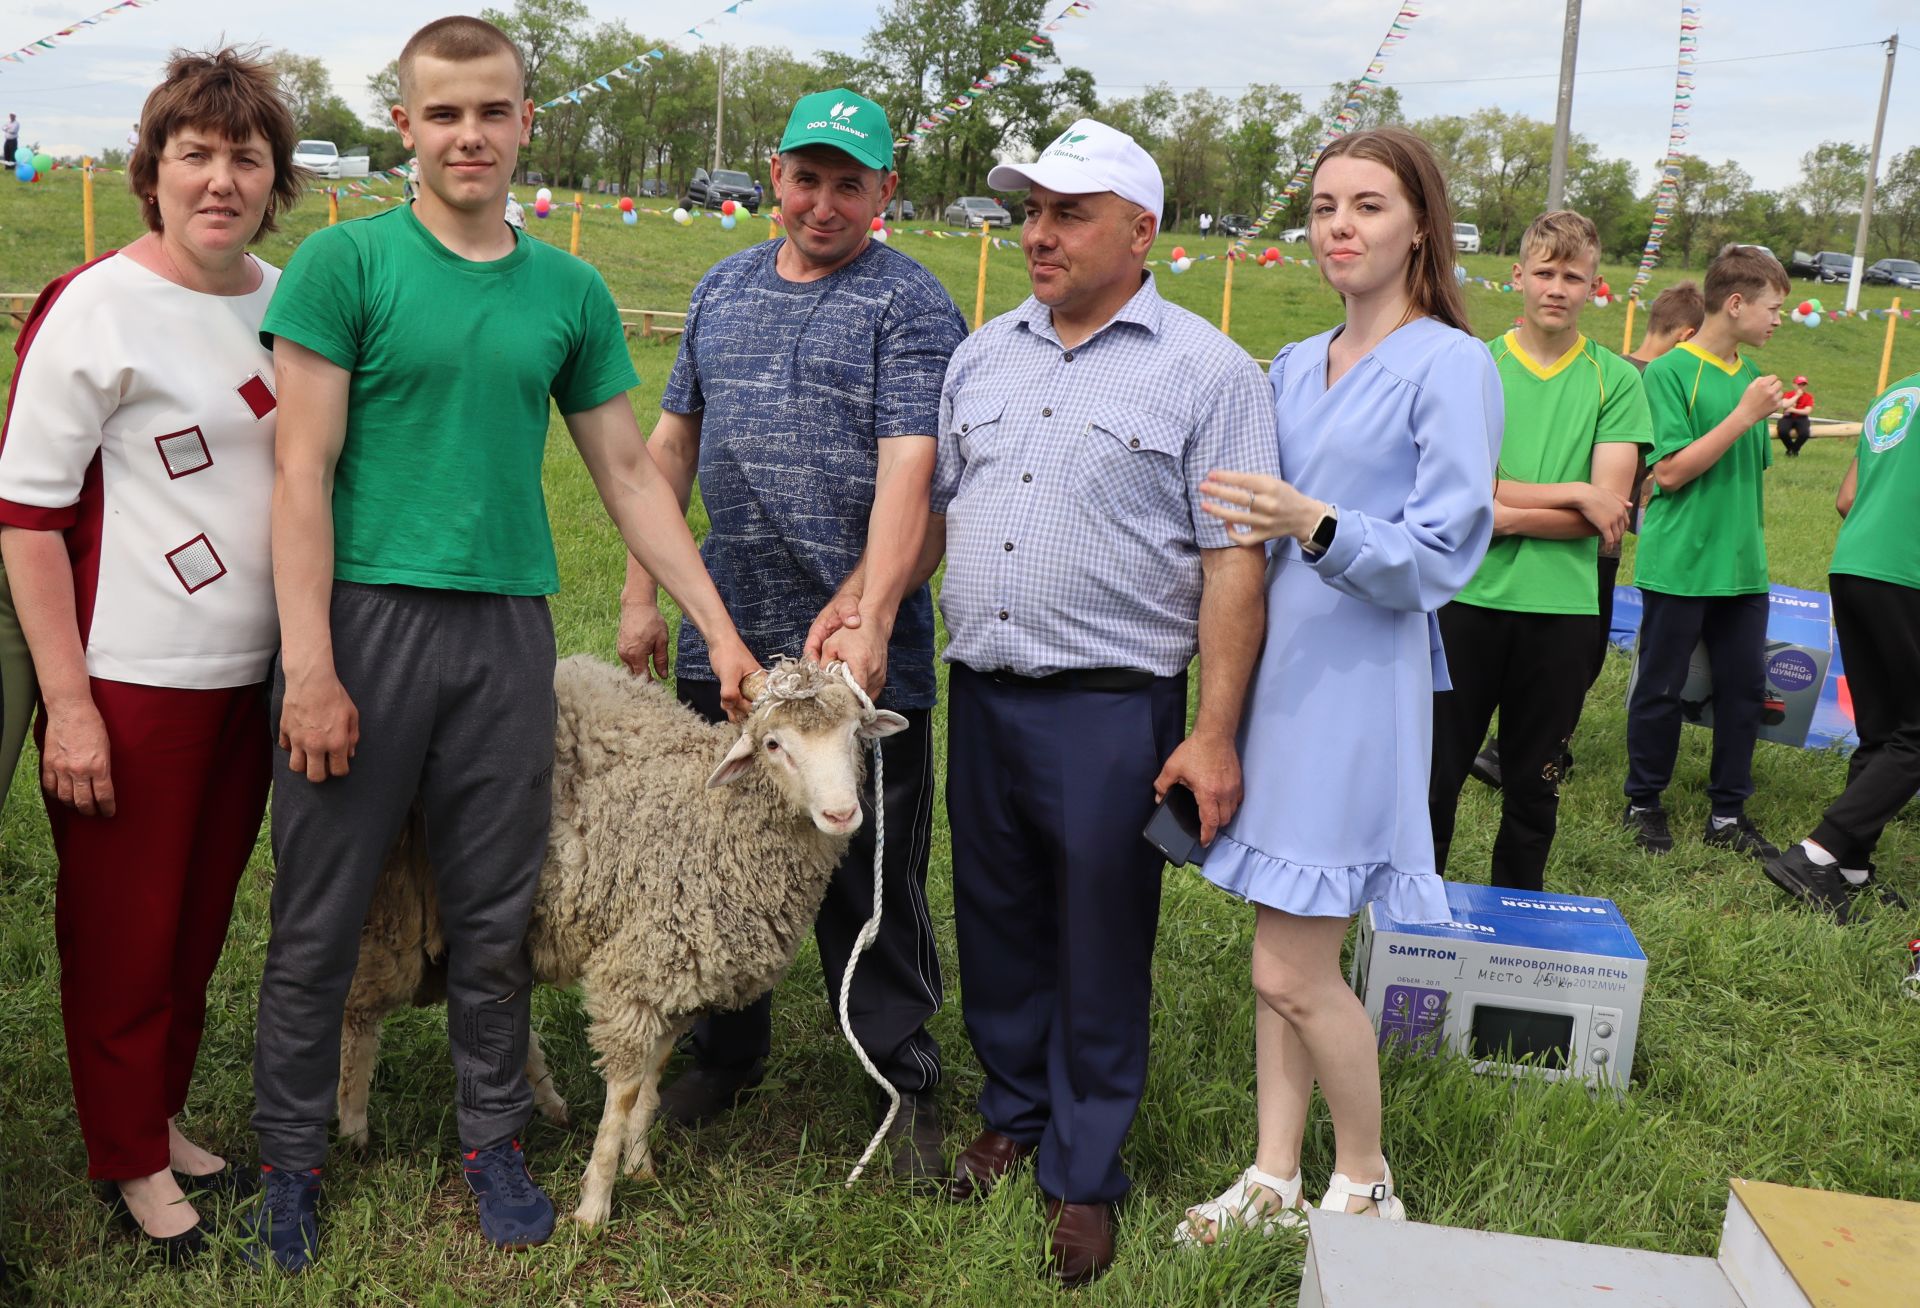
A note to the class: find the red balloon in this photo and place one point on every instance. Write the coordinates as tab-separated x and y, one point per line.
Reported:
1272	254
879	225
626	204
727	207
1806	306
1179	252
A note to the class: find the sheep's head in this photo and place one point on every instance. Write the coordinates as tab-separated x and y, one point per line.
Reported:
807	728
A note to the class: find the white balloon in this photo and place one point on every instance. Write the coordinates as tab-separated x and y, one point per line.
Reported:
682	217
881	236
1183	263
543	194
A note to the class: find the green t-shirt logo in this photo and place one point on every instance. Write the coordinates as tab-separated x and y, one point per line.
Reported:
1887	425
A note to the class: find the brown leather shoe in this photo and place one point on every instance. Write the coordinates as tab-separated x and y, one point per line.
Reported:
1079	1241
981	1164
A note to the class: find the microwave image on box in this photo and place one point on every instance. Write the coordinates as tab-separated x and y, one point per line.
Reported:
1522	983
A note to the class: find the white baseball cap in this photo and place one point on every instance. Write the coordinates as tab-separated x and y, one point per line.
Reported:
1086	158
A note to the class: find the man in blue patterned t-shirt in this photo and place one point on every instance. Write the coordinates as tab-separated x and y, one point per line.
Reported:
806	397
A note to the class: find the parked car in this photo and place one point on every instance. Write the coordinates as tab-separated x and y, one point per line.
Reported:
321	158
903	211
1293	235
356	161
1235	224
1894	272
1802	265
972	210
1833	266
1466	238
704	192
652	186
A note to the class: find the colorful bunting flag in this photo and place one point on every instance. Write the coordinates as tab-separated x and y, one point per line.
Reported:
1665	197
32	48
1036	43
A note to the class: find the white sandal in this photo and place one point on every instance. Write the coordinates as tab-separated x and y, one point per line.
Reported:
1239	1209
1380	1194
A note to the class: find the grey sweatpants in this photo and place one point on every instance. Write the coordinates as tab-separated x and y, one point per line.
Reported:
455	693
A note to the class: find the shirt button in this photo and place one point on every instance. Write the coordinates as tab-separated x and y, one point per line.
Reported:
1003	615
966	426
1067	357
1134	444
1046	413
1008	546
1026	476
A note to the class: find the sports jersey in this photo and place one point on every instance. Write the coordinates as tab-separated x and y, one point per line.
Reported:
452	362
141	425
1706	537
1556	413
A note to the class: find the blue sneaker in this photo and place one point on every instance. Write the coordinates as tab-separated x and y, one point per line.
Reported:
515	1212
286	1225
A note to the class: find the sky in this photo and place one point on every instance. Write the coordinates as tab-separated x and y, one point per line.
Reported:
83	95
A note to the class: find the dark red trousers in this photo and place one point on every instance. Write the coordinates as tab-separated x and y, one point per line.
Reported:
143	901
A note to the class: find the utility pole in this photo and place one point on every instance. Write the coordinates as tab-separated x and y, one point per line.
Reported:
1563	116
1873	166
719	108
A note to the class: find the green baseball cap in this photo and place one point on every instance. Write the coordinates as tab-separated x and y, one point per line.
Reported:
849	123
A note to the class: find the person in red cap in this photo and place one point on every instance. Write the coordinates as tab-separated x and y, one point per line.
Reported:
1796	425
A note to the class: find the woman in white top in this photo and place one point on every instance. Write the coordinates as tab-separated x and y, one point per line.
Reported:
136	473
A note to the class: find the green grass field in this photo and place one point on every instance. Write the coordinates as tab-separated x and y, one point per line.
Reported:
1774	1045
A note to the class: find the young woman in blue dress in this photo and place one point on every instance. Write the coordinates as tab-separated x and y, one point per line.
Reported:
1389	429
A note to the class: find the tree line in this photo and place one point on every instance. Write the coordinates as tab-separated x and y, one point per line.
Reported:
1217	153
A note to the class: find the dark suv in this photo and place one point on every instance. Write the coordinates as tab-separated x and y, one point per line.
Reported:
1833	267
704	192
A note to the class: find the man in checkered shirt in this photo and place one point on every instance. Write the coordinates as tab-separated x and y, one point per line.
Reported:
1081	577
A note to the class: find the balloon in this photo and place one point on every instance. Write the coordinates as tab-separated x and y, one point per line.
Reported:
1812	320
1600	301
543	195
1271	254
43	163
728	221
1181	264
727	207
542	208
682	217
1179	253
1814	306
878	225
629	217
626	204
881	236
24	170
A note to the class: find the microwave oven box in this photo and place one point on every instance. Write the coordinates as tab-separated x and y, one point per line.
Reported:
1523	983
1799	650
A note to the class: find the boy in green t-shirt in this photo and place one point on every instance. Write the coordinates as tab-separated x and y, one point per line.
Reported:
1520	636
1875	581
414	356
1702	560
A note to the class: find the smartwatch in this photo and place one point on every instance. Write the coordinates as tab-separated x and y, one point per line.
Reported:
1322	539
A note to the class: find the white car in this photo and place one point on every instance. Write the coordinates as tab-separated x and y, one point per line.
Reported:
321	158
1466	238
1293	235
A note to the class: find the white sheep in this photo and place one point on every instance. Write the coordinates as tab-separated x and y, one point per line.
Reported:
685	864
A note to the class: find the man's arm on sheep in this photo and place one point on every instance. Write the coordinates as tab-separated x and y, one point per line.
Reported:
651	521
319	725
896	527
1233	621
675	447
844	609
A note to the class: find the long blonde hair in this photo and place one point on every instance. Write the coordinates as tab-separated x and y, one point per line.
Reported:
1430	286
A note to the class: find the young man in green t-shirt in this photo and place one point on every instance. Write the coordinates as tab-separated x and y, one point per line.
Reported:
1702	560
1875	581
1520	636
415	353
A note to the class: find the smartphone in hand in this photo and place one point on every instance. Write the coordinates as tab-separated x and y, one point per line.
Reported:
1174	829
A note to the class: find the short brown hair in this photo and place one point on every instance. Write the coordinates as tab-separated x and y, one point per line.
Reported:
1675	309
1560	236
1743	270
231	92
456	38
1430	284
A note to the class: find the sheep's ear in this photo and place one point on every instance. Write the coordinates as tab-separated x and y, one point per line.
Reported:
882	724
735	764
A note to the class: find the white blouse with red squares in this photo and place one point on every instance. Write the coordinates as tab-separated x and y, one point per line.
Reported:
141	426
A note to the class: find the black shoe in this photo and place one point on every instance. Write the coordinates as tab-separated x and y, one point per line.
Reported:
918	1143
171	1249
1742	837
1808	882
1486	764
700	1094
1868	889
1649	827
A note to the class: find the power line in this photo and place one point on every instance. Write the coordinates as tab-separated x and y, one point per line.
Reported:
1512	77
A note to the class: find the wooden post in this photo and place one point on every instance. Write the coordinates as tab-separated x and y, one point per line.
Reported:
333	206
1226	296
1886	351
86	203
1626	338
573	242
980	295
